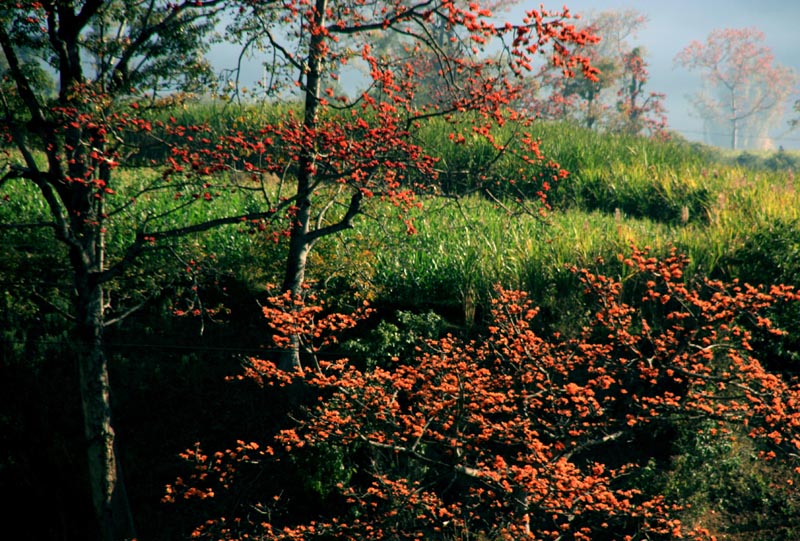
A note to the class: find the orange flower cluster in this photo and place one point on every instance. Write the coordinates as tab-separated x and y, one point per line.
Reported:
510	436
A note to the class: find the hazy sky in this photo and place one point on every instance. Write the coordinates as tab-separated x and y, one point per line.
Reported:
673	24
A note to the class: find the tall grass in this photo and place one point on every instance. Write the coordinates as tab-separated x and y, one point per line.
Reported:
621	190
465	247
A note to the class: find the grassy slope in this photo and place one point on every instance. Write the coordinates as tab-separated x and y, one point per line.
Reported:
620	191
734	217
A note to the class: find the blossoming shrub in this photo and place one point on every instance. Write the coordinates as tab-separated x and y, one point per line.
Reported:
517	435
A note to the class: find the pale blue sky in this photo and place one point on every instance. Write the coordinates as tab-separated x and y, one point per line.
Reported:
673	24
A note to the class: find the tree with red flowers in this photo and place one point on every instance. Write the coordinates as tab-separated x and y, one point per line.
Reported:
112	62
341	151
615	98
638	111
745	89
518	434
116	60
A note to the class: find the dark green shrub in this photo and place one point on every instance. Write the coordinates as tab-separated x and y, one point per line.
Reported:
771	255
724	485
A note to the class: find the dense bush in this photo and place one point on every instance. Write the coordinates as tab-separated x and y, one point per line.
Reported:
518	432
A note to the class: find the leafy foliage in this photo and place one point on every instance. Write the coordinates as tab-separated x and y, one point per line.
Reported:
105	56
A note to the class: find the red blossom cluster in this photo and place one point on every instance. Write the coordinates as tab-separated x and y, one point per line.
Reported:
640	112
510	436
304	316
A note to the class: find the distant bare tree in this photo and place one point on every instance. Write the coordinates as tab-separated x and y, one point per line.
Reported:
745	90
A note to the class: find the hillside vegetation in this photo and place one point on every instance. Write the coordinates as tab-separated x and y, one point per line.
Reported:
736	218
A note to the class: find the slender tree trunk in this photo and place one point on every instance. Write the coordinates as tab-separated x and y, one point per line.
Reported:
734	123
299	241
299	247
109	497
